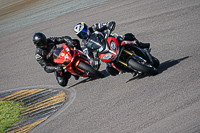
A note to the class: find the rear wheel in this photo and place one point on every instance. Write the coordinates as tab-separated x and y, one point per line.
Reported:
86	67
145	68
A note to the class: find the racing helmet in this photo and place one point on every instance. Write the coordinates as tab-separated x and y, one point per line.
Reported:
82	30
39	39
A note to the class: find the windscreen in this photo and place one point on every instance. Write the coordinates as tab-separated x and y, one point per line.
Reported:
96	42
57	51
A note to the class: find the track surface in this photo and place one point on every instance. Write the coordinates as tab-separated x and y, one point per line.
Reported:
166	103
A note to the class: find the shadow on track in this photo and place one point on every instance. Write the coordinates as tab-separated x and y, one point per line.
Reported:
163	67
170	63
90	79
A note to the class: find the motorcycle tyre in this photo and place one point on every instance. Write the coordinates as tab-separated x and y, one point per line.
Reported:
86	67
142	68
156	62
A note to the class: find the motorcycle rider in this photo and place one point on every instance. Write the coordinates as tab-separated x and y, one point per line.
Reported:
83	32
44	55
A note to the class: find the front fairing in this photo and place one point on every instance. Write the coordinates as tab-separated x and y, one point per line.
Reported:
112	53
96	43
63	55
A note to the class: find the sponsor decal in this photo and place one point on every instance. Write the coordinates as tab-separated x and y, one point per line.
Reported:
62	54
107	56
67	49
113	45
66	56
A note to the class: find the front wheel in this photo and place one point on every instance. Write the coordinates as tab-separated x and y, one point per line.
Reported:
86	67
156	62
145	68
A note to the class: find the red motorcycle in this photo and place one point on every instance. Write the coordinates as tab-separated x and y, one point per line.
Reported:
122	55
74	61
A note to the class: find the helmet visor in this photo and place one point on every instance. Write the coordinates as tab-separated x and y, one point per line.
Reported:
39	44
84	33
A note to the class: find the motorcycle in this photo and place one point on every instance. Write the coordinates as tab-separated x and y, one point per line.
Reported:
122	55
74	61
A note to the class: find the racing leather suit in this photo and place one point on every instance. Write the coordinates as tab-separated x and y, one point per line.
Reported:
97	27
45	57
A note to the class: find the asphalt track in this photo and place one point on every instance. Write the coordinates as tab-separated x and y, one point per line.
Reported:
166	103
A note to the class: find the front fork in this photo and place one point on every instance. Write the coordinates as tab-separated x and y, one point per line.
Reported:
149	56
132	55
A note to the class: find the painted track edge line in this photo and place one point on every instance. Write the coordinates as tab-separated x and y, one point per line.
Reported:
71	95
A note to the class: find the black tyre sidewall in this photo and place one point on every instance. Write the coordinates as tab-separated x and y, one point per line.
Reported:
142	68
86	67
156	62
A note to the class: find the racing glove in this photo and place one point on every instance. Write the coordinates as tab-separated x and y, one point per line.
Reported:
59	68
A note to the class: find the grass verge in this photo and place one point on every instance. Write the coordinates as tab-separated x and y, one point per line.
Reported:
10	112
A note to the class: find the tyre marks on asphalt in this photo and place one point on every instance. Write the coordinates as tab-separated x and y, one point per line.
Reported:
40	104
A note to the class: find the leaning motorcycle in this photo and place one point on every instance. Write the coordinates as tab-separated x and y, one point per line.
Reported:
123	55
74	61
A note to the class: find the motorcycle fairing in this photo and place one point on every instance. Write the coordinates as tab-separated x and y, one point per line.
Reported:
128	43
77	62
110	54
113	44
69	58
63	55
107	57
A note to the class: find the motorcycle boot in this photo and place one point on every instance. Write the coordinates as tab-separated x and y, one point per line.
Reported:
76	77
131	37
144	45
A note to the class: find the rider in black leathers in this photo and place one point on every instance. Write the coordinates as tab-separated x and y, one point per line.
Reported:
83	32
44	55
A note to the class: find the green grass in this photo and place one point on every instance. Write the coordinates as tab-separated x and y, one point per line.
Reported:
10	112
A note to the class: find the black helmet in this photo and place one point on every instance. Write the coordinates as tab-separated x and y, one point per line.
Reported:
39	39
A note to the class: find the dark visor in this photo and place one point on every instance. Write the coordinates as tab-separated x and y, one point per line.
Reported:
83	33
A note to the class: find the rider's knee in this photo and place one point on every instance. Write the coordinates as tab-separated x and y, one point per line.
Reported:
62	82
